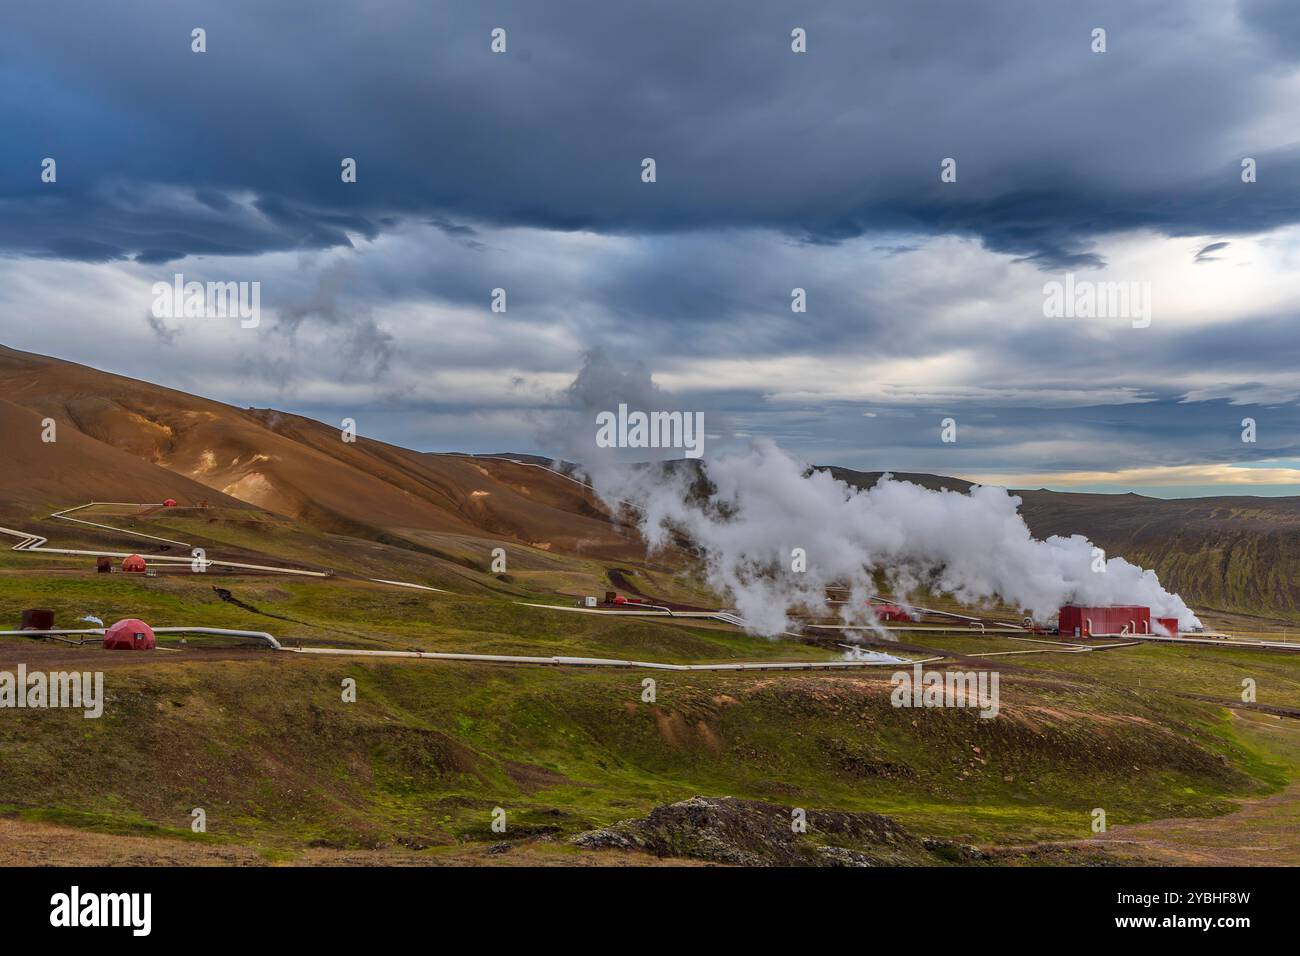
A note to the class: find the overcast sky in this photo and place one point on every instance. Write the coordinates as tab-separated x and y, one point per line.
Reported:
775	170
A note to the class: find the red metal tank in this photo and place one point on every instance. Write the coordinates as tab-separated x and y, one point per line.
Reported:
134	564
130	635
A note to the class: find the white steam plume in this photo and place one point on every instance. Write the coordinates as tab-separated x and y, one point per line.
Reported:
974	546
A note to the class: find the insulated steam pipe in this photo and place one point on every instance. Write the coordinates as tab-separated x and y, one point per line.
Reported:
260	635
268	639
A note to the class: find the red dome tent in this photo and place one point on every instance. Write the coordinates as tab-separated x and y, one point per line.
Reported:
133	563
130	635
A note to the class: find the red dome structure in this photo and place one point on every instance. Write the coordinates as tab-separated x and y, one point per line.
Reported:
130	635
134	564
169	503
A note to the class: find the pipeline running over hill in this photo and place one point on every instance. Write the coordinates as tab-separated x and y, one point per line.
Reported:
30	543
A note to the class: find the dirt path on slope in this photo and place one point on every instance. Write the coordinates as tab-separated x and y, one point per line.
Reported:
1264	832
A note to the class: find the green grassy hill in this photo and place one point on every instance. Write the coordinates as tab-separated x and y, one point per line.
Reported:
280	763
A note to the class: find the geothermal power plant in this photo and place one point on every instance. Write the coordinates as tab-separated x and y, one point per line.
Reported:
1073	621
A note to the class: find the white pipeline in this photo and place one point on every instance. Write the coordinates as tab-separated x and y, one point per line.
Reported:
609	662
260	635
274	644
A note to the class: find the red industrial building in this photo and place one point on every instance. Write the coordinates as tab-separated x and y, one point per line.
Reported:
134	564
1074	620
1170	624
130	635
891	612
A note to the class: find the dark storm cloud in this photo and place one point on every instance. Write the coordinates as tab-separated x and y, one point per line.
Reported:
775	171
164	153
1277	22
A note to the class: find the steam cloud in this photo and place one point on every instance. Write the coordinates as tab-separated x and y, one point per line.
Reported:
763	504
974	546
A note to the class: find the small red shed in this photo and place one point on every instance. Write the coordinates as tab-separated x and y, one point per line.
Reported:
130	635
134	564
169	503
1170	624
1074	620
37	619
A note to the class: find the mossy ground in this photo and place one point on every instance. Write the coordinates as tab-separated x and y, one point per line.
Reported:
280	763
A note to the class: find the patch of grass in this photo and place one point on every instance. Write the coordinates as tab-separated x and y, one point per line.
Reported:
122	823
276	758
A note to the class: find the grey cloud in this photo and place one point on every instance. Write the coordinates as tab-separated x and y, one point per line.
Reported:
776	170
1276	22
1056	146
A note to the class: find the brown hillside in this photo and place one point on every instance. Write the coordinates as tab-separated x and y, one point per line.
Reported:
302	468
1238	553
74	469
